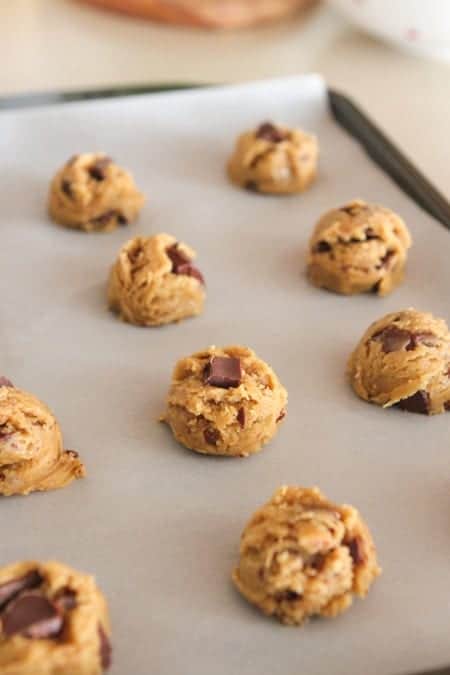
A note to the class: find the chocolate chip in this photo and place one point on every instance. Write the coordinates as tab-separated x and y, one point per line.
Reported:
10	589
370	234
66	187
223	371
317	561
252	186
241	417
32	616
288	595
4	382
417	403
376	287
322	247
269	132
211	436
281	416
105	648
385	260
65	599
447	406
72	453
104	218
122	220
357	550
181	264
97	170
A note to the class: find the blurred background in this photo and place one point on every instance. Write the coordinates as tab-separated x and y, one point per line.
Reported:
392	57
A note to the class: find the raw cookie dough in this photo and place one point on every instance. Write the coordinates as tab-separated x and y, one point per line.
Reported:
302	556
274	159
404	360
93	194
31	451
154	282
53	621
358	248
225	402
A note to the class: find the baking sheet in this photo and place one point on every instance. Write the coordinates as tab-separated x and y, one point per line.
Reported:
158	525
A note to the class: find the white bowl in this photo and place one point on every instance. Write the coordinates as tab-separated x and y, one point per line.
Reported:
419	25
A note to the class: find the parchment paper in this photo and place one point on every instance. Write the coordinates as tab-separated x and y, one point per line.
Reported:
158	525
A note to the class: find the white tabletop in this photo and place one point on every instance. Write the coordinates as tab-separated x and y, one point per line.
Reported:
59	44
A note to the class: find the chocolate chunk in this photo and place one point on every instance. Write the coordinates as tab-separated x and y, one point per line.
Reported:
211	435
4	382
357	550
241	417
376	287
281	416
32	616
223	371
317	561
417	403
393	339
181	264
105	648
447	406
122	220
252	186
97	170
104	218
10	589
322	247
72	453
269	132
65	599
66	187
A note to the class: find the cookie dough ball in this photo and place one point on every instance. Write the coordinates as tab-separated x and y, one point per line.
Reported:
225	402
154	282
53	620
358	248
404	360
31	451
274	159
303	556
93	194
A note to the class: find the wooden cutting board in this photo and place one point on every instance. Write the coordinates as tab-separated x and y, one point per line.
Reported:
206	13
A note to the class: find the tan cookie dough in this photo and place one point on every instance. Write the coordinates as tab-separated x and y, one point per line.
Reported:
53	621
225	402
404	360
358	248
154	282
303	556
31	451
274	159
93	194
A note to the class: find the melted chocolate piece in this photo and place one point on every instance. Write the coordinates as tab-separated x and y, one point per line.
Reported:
10	589
104	218
4	382
105	648
269	132
32	616
447	406
357	550
281	416
417	403
288	595
181	264
223	371
65	599
241	417
97	170
252	186
211	436
395	339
